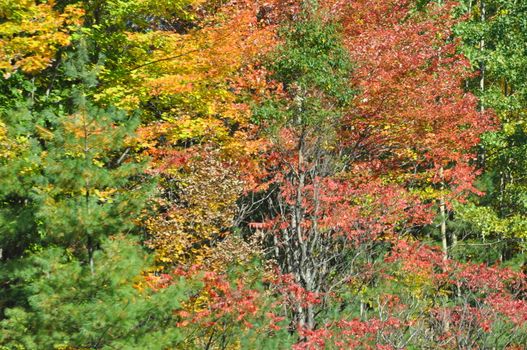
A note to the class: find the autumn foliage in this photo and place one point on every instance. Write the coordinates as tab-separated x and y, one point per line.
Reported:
295	174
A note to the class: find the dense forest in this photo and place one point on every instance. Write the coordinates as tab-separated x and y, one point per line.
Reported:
263	174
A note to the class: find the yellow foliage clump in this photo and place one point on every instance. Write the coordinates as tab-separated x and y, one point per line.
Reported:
196	211
9	149
31	33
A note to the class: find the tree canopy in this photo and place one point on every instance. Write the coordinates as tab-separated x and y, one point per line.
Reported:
246	174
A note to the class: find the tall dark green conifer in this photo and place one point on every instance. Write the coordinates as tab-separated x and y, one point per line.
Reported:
61	304
78	181
70	189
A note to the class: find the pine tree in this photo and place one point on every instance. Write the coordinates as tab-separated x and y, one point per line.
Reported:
70	181
62	304
78	181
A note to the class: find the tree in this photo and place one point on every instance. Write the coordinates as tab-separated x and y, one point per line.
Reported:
313	69
61	303
75	184
493	36
411	77
197	124
345	173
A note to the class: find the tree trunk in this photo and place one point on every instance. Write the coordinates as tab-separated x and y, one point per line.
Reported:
482	67
443	217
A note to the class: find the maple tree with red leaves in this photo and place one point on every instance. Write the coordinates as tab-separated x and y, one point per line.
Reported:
347	171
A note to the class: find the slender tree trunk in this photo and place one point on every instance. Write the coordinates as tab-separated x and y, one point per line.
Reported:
482	68
89	238
90	255
454	240
443	217
444	240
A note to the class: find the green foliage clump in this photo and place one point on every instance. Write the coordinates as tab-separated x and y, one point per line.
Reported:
68	306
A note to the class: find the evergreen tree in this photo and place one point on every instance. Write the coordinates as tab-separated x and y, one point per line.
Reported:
77	181
63	305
